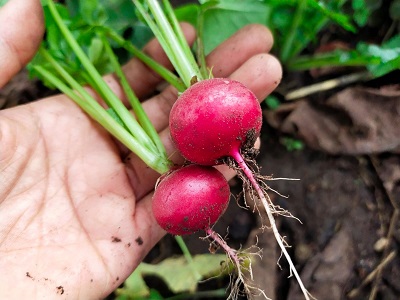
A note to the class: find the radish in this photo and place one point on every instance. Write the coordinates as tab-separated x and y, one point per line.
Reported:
190	199
213	119
217	121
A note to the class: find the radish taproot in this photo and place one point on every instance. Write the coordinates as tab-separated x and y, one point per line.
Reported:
190	199
217	121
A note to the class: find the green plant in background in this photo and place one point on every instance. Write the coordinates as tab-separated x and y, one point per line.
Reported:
295	25
182	283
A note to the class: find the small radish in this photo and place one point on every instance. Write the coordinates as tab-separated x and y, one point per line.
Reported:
190	199
213	119
217	121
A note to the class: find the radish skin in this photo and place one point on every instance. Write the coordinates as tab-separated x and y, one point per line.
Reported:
190	199
212	117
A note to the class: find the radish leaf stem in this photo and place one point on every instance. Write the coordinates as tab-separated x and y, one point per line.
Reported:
166	74
133	100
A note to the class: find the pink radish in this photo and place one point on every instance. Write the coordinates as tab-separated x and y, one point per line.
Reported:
217	120
190	199
213	119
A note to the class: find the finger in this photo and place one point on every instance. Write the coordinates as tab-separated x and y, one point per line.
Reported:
141	78
230	55
261	73
21	31
226	58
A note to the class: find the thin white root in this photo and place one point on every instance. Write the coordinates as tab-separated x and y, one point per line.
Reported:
241	263
279	240
267	204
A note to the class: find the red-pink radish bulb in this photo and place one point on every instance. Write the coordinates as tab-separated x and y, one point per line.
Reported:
190	199
214	118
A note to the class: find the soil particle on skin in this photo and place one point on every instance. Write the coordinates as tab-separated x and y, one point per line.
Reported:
60	290
115	239
139	240
29	275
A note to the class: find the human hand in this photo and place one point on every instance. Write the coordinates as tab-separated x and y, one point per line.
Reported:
75	206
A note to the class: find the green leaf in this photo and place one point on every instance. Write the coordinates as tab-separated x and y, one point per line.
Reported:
272	102
361	14
295	27
388	54
141	34
332	12
116	14
188	13
223	18
292	144
135	286
183	280
3	2
363	9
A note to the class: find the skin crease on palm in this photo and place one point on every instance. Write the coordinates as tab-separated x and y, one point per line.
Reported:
75	207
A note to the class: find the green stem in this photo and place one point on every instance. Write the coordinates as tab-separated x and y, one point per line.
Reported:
133	100
166	74
290	37
333	59
182	39
169	41
99	114
185	67
108	95
188	256
159	36
201	58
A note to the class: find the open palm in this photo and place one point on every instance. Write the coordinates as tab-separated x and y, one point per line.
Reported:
75	206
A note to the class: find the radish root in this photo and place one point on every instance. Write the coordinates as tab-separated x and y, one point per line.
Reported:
241	261
270	209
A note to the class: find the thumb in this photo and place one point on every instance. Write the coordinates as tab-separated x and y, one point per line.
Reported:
21	31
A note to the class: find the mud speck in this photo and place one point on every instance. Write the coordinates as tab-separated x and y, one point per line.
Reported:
60	290
29	276
115	239
139	241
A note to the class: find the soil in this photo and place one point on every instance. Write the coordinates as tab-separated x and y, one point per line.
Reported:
346	212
